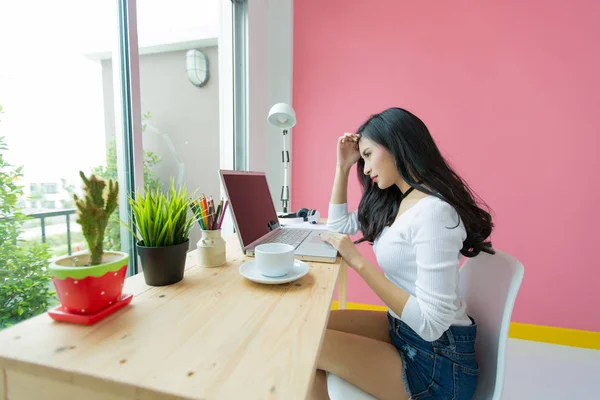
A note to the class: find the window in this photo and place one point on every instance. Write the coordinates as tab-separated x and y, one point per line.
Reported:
63	111
49	188
179	92
52	126
49	204
98	100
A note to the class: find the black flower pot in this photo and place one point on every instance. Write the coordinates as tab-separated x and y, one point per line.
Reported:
163	265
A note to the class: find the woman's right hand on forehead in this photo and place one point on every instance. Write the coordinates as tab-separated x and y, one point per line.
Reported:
347	150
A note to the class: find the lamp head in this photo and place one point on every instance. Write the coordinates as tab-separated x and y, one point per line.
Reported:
196	67
282	115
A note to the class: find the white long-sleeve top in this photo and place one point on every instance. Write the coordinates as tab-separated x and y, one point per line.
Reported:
420	253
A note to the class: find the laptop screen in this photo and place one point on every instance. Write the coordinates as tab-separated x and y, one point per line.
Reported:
251	203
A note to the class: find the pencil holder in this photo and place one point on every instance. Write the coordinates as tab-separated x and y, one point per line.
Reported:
211	249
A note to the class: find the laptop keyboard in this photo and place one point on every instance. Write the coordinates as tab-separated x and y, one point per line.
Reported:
289	236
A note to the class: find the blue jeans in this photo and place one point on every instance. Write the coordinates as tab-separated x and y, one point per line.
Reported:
443	369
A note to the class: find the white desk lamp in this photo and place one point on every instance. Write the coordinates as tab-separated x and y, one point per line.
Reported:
283	116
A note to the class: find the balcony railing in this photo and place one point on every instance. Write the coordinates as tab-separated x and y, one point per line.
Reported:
49	214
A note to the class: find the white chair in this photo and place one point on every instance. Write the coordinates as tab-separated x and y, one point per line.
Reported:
340	389
489	285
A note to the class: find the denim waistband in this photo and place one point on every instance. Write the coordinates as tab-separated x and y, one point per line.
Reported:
458	333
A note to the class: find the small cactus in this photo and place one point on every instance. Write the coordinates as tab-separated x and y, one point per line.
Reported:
93	212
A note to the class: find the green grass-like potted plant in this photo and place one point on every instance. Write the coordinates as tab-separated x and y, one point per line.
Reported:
162	229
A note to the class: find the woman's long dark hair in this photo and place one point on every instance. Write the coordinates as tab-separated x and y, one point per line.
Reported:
422	166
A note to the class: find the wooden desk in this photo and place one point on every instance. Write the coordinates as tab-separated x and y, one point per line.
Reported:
214	335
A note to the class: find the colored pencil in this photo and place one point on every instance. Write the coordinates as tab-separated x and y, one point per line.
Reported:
204	210
218	214
222	214
209	216
196	212
211	213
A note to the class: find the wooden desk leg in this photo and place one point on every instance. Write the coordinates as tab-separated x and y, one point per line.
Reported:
3	385
342	280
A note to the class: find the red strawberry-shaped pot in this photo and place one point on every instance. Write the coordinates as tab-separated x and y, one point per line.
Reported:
85	289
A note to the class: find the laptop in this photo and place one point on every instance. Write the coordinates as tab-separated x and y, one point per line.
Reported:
256	222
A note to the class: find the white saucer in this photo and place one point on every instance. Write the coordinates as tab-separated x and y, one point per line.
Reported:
249	271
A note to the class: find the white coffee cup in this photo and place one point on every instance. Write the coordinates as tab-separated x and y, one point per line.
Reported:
274	259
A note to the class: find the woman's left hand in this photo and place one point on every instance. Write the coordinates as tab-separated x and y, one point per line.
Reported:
344	245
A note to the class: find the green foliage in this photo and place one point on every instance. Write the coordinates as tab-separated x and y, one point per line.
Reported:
24	276
25	287
112	237
94	211
162	220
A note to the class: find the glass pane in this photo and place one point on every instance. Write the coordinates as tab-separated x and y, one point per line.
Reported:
179	85
56	121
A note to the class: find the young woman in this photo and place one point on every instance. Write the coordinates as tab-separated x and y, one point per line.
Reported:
421	217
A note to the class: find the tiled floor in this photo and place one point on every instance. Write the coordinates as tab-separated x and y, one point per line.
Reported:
547	372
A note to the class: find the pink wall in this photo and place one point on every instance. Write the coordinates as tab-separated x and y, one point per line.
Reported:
510	91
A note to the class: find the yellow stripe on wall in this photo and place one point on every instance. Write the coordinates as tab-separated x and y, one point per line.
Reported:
536	333
552	334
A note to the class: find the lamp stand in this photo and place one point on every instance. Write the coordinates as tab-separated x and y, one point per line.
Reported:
285	160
